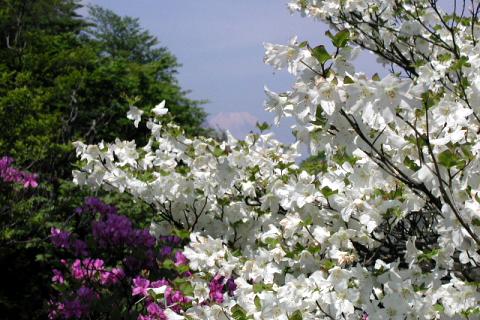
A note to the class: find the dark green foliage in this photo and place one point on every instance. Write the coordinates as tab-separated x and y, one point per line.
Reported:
65	78
123	37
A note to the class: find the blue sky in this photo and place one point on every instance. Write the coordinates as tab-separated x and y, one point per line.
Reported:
220	46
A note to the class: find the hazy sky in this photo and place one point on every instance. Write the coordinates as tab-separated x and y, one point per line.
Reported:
220	46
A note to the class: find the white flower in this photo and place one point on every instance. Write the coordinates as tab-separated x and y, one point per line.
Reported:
204	253
135	114
278	104
160	109
172	315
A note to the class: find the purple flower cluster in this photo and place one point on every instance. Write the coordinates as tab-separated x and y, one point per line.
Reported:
65	240
59	238
112	262
11	174
218	286
115	230
109	230
75	308
93	204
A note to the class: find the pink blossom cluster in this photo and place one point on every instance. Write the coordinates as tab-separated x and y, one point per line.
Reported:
218	286
11	174
95	270
87	272
173	299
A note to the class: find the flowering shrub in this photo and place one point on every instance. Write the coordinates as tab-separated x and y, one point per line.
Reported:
109	268
388	228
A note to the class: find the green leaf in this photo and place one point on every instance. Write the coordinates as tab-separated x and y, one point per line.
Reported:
297	315
238	313
460	63
258	303
182	268
182	234
449	159
439	307
321	54
409	163
183	170
168	264
476	222
284	165
471	311
308	221
428	255
184	286
263	126
303	44
223	201
314	249
328	264
340	40
218	152
271	242
303	4
348	80
327	192
444	57
43	257
259	287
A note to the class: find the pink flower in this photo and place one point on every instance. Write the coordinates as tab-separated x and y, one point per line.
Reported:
216	289
159	283
58	276
140	286
30	181
154	310
87	268
112	277
11	174
180	259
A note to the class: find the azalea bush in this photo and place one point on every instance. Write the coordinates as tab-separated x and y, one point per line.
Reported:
15	185
108	269
386	227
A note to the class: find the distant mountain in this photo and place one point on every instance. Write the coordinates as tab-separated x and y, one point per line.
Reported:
238	123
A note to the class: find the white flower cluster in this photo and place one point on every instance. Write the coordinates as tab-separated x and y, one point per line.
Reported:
387	226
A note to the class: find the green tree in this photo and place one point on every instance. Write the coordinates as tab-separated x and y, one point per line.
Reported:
124	37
